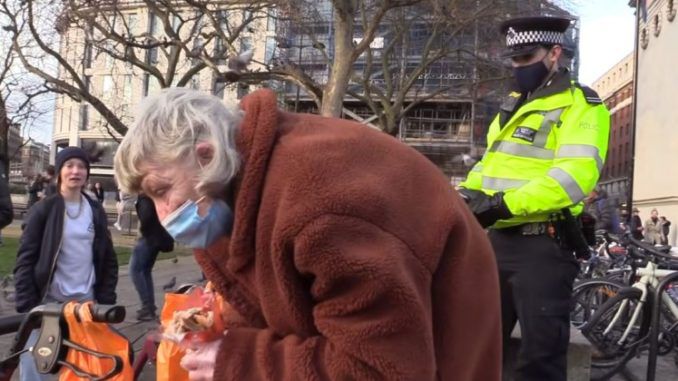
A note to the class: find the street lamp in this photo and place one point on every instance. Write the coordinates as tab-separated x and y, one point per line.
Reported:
284	43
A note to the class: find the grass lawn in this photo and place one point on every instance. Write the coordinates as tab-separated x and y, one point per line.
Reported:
9	249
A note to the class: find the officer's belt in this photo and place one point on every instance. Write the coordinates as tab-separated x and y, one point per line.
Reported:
532	228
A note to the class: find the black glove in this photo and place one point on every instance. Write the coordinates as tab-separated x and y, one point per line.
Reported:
489	209
469	195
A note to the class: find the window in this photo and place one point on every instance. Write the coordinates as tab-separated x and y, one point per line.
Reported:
132	24
155	25
271	20
87	82
151	84
245	43
176	23
218	88
87	57
84	116
152	56
127	89
107	87
270	49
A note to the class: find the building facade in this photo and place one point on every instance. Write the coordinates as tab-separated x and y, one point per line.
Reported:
656	150
31	160
615	88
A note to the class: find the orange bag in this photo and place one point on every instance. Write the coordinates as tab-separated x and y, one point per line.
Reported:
170	353
97	337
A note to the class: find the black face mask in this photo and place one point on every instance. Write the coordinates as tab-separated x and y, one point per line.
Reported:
531	76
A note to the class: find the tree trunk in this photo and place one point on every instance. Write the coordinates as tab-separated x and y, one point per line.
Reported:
337	83
4	135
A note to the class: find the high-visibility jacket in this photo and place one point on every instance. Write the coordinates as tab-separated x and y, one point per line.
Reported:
546	155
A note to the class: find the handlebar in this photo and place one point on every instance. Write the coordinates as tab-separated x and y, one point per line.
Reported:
53	336
102	313
10	324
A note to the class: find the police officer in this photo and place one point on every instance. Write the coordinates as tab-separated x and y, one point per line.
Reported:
546	148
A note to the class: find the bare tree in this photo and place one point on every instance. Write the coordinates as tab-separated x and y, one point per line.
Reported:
174	47
23	102
360	49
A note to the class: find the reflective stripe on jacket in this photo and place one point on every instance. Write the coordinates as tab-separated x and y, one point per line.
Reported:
547	156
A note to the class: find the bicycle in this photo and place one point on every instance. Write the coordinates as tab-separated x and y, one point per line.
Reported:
608	270
53	344
619	328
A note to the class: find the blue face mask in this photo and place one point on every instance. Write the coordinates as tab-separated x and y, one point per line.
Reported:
188	228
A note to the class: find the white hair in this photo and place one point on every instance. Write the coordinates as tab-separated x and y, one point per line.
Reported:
167	128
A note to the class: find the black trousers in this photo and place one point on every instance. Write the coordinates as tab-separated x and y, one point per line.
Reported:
536	279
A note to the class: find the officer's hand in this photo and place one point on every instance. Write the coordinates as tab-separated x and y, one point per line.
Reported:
490	209
469	195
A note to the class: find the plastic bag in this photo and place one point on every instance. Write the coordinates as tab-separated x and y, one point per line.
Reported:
170	353
97	337
172	346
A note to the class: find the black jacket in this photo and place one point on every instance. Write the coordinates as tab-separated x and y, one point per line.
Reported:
150	227
6	209
39	246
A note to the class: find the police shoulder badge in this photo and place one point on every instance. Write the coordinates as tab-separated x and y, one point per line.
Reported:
524	133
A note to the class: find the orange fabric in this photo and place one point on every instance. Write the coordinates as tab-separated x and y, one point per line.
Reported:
98	337
169	353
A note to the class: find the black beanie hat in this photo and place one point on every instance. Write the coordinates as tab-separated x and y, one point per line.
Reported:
70	153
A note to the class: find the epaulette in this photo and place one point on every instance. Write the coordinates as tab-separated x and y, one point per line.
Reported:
590	95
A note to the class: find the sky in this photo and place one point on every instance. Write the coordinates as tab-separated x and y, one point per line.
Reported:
606	36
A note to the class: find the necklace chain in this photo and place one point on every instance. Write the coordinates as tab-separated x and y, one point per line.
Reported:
79	210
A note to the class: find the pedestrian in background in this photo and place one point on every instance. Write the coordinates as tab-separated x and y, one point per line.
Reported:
65	252
34	191
603	210
119	206
99	192
636	225
154	239
666	229
653	229
315	231
6	208
49	181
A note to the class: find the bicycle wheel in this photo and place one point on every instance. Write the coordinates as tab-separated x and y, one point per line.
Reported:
589	295
616	332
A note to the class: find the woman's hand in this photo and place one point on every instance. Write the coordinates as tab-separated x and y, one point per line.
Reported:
200	362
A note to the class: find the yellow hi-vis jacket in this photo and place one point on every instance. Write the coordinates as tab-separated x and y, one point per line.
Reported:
548	154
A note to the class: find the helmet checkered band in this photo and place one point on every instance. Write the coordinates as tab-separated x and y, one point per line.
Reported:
514	38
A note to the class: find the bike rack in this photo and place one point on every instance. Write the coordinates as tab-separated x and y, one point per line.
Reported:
654	326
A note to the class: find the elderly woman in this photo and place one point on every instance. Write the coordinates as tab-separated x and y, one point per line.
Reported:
343	253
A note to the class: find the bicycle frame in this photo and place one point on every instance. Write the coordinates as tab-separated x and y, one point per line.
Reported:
650	276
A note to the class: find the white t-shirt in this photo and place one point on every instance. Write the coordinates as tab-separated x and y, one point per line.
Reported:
74	274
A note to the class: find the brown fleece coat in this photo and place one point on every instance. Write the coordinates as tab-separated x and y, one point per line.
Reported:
351	258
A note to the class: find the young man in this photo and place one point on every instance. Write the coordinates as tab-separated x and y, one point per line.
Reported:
545	152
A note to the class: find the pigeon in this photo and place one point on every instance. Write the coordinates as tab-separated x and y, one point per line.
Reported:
170	285
236	64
